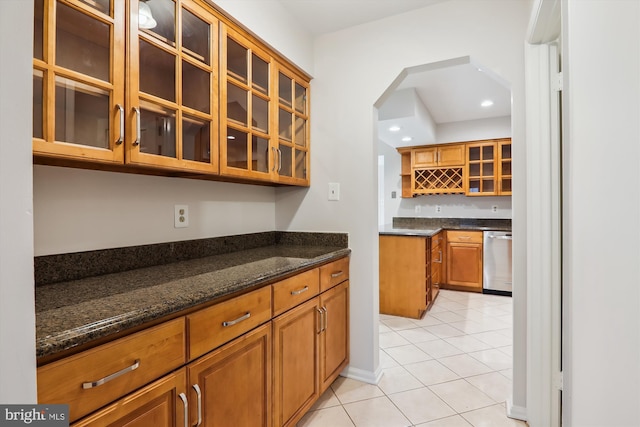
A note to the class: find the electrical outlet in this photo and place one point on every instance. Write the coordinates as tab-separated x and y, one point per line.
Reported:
418	208
494	208
438	208
181	216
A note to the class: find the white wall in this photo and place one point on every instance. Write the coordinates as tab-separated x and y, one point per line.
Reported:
17	317
471	130
78	210
601	57
352	69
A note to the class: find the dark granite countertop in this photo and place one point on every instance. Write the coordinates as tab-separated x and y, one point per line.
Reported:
428	227
389	229
76	312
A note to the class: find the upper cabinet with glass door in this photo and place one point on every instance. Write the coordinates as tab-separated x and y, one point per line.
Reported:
172	80
293	129
78	79
246	148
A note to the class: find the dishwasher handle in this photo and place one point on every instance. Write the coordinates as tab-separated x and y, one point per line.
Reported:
507	237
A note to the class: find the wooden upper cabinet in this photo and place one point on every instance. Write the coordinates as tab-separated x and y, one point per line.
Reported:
439	156
172	91
293	128
481	169
504	167
78	80
246	109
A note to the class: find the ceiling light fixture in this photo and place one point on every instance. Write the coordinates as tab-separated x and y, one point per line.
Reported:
394	128
487	103
406	139
145	18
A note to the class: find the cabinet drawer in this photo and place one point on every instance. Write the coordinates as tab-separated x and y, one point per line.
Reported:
334	273
93	378
437	240
464	236
295	290
211	327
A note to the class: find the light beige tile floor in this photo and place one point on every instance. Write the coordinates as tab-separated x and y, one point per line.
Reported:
450	369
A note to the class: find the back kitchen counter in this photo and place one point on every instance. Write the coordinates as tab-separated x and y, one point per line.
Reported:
89	297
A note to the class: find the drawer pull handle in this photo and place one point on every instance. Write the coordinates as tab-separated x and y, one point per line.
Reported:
108	378
439	261
299	291
464	237
183	397
199	394
337	274
238	320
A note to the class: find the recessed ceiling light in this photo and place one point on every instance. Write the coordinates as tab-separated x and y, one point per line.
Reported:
394	128
406	139
487	103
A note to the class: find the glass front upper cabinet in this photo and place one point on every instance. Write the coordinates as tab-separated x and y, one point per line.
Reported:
173	85
293	129
245	143
481	174
78	84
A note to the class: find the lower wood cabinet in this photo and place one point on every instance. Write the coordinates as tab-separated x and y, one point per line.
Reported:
238	373
231	386
162	403
464	261
296	351
405	275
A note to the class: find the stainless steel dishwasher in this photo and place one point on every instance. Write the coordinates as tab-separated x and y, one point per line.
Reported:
497	263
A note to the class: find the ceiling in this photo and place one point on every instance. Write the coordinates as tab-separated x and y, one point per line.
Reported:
451	91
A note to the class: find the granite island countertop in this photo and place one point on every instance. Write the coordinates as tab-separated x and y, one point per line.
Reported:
73	313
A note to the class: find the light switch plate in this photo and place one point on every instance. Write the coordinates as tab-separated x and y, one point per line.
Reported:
334	191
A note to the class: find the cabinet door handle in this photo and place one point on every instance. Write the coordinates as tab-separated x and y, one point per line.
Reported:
108	378
337	274
273	169
186	408
299	291
319	331
199	403
121	137
138	129
279	159
238	320
439	261
326	318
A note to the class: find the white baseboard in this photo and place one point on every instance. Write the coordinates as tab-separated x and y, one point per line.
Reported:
516	412
369	377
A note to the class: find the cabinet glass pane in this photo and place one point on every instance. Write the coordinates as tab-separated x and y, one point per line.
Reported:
506	168
157	71
487	185
260	74
474	169
82	43
284	90
237	149
284	124
196	140
301	132
285	159
506	151
259	154
103	6
82	114
164	15
195	87
506	185
38	12
195	37
237	60
301	99
474	186
37	104
260	114
487	169
301	164
236	104
474	153
157	130
487	152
